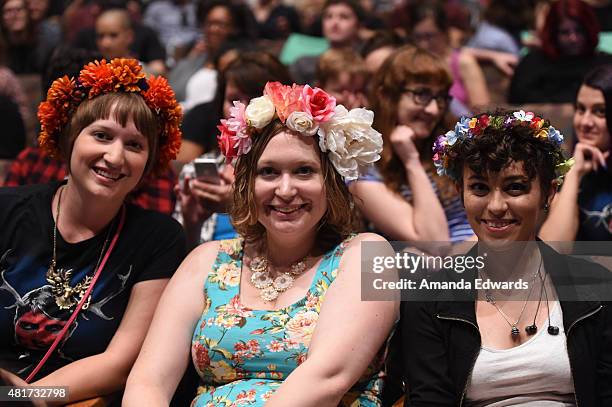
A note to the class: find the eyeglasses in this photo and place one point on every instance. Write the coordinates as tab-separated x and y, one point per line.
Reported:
423	97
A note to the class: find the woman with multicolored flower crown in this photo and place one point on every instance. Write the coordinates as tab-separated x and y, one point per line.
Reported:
582	210
523	333
275	316
81	271
402	197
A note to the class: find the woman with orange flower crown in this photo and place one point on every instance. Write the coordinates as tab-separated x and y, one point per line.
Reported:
80	271
276	315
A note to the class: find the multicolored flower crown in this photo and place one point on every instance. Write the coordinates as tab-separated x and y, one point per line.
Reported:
445	146
98	77
347	136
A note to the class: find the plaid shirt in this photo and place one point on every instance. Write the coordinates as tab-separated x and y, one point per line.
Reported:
32	166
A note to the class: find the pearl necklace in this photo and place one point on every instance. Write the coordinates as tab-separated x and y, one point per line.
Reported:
270	288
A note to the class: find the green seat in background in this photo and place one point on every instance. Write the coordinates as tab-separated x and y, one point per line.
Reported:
299	45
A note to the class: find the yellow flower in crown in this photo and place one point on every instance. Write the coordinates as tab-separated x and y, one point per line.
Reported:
473	122
542	134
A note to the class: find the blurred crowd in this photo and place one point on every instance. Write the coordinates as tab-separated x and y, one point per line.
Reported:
496	54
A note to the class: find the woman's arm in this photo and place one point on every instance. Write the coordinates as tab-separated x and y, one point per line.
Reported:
165	352
504	61
423	219
348	335
563	220
107	372
474	81
424	357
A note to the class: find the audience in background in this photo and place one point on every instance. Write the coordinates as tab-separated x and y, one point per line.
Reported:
219	21
403	198
344	75
144	46
430	32
341	21
554	73
175	22
378	47
275	21
28	49
582	209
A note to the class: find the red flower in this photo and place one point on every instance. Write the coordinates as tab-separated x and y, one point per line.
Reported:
227	142
318	103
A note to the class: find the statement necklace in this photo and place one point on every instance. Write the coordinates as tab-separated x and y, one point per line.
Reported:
270	288
65	295
514	331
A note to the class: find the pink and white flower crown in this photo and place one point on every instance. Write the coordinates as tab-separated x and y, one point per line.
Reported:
347	136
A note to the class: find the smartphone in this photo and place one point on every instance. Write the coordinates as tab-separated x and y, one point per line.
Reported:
207	170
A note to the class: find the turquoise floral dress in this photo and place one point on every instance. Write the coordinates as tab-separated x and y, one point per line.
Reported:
243	355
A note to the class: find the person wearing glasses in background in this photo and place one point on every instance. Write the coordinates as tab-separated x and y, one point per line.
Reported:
403	198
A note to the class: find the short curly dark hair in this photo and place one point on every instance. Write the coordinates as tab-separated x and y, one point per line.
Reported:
497	147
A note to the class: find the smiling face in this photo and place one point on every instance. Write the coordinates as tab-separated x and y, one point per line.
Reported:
15	15
505	206
340	24
590	118
218	26
108	160
289	189
422	118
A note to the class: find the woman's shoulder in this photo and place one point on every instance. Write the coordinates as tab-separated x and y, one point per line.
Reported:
17	196
151	220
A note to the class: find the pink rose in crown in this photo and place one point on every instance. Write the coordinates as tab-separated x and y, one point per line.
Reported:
227	141
318	103
236	122
286	99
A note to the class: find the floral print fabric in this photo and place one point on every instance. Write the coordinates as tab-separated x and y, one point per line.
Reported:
243	355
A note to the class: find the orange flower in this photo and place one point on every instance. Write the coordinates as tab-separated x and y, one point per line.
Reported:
60	91
127	73
98	76
286	99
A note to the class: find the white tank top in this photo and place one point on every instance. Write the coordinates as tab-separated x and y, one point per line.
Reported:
535	373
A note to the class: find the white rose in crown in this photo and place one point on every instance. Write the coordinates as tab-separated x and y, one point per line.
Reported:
259	112
302	122
351	140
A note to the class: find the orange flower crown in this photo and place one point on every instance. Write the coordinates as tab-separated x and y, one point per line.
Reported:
99	77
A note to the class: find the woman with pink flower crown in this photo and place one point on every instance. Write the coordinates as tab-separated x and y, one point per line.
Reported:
275	317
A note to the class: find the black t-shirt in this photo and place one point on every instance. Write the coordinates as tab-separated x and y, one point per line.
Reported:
538	79
200	125
150	246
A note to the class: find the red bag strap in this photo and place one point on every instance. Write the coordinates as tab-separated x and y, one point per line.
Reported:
79	306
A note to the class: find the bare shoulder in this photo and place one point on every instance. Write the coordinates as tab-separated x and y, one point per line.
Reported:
354	253
467	59
366	237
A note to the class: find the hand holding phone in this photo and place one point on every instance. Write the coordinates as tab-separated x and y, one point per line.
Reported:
207	170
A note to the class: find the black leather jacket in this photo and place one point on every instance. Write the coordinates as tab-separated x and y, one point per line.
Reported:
437	343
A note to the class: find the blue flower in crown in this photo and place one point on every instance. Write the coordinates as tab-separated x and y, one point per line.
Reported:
463	126
451	137
555	135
